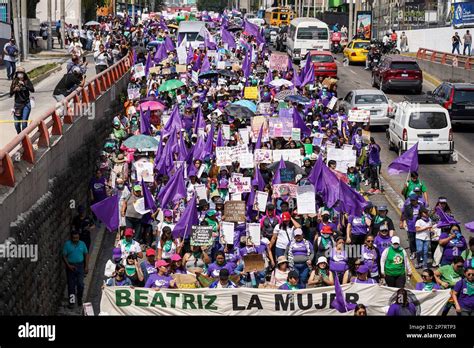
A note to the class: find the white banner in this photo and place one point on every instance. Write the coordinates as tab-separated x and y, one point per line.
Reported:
306	199
248	301
344	157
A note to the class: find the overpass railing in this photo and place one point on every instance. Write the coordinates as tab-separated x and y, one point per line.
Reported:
38	133
445	58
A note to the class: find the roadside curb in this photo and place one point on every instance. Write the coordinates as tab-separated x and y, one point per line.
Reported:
431	79
93	259
392	196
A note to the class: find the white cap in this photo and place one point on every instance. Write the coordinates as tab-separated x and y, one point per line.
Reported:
395	240
322	259
298	232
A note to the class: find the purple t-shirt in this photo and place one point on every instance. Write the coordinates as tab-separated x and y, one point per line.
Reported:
214	269
382	243
98	188
411	223
465	301
396	310
359	227
299	248
452	249
158	281
370	259
248	250
421	286
338	262
367	281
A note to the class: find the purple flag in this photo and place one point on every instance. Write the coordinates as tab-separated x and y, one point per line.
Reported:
276	178
350	201
198	150
268	77
339	303
173	123
148	198
258	144
206	66
199	122
315	176
208	149
158	153
174	189
127	23
197	63
145	125
228	38
148	64
254	30
407	162
258	180
169	44
165	162
330	185
187	220
445	219
470	226
299	123
290	64
163	24
309	75
160	53
220	138
190	56
182	150
107	211
296	78
224	22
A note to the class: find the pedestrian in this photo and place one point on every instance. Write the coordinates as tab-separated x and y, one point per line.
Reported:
360	310
197	259
119	278
76	259
468	254
338	262
321	275
453	244
21	88
282	234
129	246
69	83
447	277
363	276
101	58
424	227
467	43
382	219
394	265
402	306
133	219
428	283
292	281
463	292
300	254
10	55
404	42
370	257
374	166
160	279
280	273
83	224
410	214
223	282
148	265
133	270
456	41
358	228
167	247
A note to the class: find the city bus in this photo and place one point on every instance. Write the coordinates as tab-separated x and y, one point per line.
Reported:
305	34
277	16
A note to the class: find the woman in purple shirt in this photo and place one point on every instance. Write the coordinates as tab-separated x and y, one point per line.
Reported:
453	243
402	307
338	261
463	292
358	228
428	283
161	279
215	267
363	276
371	256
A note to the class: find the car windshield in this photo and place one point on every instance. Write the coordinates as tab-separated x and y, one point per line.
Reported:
464	96
370	99
405	66
193	37
322	58
312	33
428	120
362	45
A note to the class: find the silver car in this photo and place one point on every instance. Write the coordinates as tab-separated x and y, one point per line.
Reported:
369	99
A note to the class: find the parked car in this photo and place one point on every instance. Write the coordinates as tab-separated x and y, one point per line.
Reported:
458	99
324	63
356	51
369	99
280	42
398	72
426	124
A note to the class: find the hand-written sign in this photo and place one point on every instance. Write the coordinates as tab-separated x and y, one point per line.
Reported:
344	158
263	156
227	231
279	61
284	190
223	156
306	199
240	184
264	109
254	262
253	233
251	93
287	175
234	211
201	235
260	202
257	123
362	116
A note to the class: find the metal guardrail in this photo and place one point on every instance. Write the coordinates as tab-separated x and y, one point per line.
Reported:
51	123
445	58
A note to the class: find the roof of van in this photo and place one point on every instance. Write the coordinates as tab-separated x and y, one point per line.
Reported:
270	9
306	20
191	25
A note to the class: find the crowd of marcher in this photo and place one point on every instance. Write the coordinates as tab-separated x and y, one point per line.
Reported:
177	159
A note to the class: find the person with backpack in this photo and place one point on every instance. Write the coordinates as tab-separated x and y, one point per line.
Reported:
10	54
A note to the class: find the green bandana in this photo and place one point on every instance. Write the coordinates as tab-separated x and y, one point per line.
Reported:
291	287
379	220
470	288
167	246
325	241
130	270
428	286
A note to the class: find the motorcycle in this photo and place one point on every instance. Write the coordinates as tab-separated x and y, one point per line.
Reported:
374	57
336	42
391	48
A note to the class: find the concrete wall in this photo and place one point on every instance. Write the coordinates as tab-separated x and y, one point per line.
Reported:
446	72
37	211
73	11
438	39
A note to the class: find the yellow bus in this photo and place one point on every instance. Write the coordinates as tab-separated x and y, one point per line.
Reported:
277	16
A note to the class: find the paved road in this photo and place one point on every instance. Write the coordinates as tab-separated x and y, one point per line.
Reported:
454	180
44	101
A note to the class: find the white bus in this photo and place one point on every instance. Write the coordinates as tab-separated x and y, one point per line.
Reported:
190	30
306	34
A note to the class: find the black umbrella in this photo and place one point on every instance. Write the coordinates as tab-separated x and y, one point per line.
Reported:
289	165
232	29
239	111
208	74
298	99
227	73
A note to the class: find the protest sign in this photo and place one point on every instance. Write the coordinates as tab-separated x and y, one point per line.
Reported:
226	131
201	170
253	233
284	190
221	65
308	149
212	54
332	103
237	151
240	184
234	88
195	77
256	123
284	121
133	93
144	171
182	55
318	139
127	301
279	61
296	134
155	70
223	156
287	175
264	109
254	262
362	116
235	196
261	199
263	156
139	70
278	130
234	211
184	281
246	161
244	136
180	68
251	93
201	191
291	155
139	206
344	157
201	235
227	231
306	199
366	136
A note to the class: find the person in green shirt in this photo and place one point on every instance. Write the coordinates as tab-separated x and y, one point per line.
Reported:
410	185
448	275
394	264
469	252
118	131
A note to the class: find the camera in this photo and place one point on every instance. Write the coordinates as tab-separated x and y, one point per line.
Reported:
133	256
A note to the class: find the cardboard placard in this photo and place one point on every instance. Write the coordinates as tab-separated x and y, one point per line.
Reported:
253	233
254	262
139	70
201	235
284	190
261	199
155	69
133	93
366	136
256	124
287	175
226	131
344	157
332	103
227	231
296	134
223	156
306	199
185	281
181	68
264	109
279	61
362	116
144	171
251	93
234	211
246	161
263	156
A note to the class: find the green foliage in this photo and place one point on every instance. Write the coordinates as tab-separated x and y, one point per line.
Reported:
212	5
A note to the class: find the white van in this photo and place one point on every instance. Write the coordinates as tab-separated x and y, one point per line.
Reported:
427	124
190	30
306	34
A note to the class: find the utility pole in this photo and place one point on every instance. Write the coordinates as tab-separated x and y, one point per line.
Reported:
63	23
50	32
16	23
356	8
351	16
307	9
24	29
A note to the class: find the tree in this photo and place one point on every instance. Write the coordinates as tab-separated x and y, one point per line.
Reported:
212	5
90	8
31	8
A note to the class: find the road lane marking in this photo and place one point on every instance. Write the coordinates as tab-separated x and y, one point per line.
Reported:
463	157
